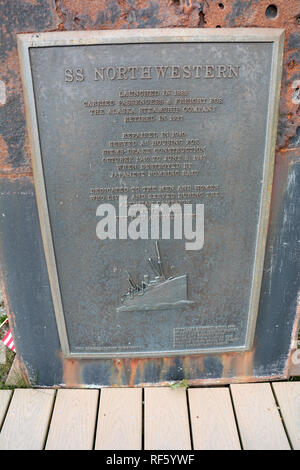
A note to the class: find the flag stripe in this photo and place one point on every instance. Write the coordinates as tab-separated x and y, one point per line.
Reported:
8	340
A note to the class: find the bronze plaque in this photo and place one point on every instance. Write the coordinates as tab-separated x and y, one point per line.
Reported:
126	123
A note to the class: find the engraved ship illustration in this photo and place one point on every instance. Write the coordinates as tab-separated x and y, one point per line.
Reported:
155	294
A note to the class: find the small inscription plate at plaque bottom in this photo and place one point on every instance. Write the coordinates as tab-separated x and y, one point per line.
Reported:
155	117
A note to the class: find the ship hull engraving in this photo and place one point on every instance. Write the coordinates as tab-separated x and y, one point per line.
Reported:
157	294
170	293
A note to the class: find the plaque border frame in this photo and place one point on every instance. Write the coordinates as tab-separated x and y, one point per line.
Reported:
26	41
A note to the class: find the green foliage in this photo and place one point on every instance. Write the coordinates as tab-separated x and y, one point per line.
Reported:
3	318
183	383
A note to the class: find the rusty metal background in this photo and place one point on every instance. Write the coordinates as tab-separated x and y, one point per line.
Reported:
24	276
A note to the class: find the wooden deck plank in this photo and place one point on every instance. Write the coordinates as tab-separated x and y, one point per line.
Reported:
166	419
73	422
27	419
258	418
120	419
5	396
212	418
288	397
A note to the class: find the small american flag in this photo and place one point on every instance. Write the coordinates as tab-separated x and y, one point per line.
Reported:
8	340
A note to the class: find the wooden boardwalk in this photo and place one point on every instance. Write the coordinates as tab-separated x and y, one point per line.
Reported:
242	416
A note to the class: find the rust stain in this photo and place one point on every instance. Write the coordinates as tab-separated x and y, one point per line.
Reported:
188	366
10	73
71	373
61	15
102	14
244	365
117	372
134	366
3	151
229	362
7	170
12	175
254	14
237	367
165	365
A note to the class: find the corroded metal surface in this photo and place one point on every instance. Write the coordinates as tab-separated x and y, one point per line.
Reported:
24	275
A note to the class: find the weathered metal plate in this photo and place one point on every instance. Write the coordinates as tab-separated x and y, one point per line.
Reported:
161	117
